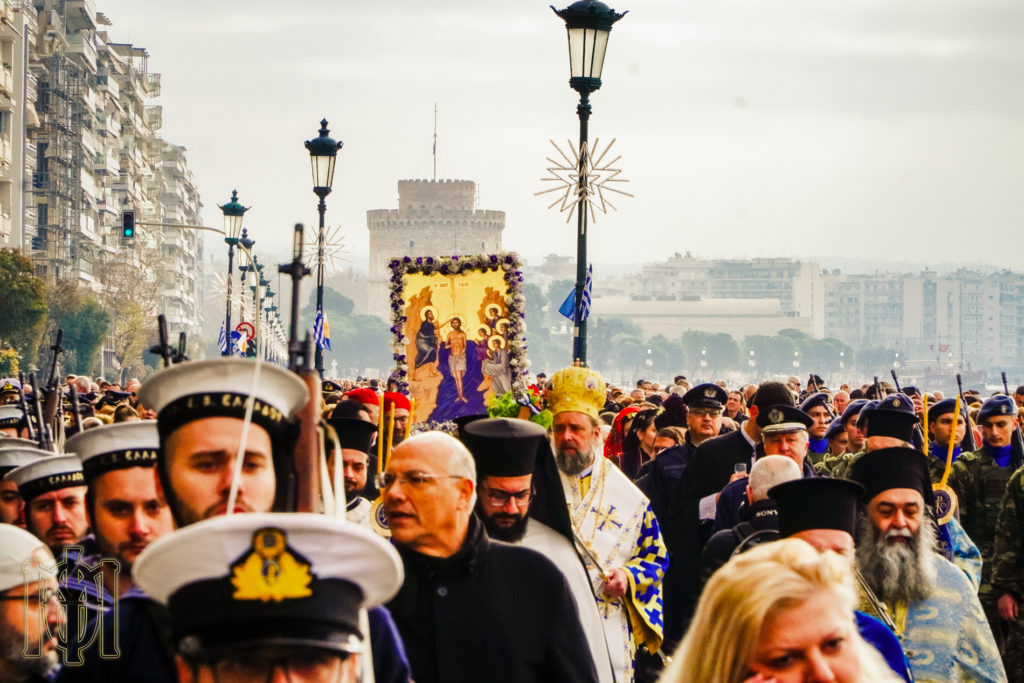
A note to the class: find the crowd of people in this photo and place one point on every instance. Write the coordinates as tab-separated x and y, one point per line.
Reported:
685	532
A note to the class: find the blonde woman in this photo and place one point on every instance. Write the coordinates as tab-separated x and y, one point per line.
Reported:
781	612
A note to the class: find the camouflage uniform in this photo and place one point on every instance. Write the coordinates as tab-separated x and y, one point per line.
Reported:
1008	570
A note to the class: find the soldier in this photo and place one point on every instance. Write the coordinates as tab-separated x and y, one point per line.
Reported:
12	506
1008	574
53	489
979	480
940	425
817	407
232	619
834	464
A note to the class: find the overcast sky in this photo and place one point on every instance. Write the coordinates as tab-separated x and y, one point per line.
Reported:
804	128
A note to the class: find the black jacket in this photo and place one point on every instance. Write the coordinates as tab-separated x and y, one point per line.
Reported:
490	612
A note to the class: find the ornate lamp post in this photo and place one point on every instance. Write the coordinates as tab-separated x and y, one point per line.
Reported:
233	213
323	151
588	23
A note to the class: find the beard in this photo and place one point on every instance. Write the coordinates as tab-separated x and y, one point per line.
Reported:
897	571
12	653
572	461
508	534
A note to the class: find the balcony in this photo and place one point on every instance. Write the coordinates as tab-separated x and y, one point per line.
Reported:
153	85
5	225
81	44
6	153
6	12
6	79
154	117
106	164
80	14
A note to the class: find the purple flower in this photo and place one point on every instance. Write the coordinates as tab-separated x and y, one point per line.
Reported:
406	259
430	259
494	259
444	269
419	260
455	258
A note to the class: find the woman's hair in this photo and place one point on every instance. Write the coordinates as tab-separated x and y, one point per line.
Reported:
641	421
675	433
745	593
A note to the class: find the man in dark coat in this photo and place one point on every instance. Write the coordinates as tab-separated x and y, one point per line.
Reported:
472	609
711	467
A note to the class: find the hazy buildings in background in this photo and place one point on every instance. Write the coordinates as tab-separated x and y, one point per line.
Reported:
434	218
79	144
963	316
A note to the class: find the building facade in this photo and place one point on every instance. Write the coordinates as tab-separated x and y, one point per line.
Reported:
434	218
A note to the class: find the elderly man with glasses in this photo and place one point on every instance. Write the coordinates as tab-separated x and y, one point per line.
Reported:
471	609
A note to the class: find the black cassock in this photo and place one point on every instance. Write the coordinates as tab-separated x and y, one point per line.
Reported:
491	612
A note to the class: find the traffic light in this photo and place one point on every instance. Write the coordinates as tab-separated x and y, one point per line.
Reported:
128	224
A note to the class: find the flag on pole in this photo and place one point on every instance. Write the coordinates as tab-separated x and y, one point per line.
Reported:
568	307
321	330
222	339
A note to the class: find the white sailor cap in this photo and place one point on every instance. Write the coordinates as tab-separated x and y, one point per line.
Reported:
12	457
13	441
117	446
50	473
245	580
11	415
24	559
190	391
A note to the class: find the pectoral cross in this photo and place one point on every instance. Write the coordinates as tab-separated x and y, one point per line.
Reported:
606	517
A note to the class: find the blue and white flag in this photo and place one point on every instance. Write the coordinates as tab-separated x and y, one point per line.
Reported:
222	340
321	330
568	307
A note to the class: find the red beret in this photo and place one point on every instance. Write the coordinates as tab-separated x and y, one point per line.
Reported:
364	395
400	401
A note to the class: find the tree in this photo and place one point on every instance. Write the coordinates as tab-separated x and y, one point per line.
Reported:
85	324
336	304
132	287
23	303
718	350
773	355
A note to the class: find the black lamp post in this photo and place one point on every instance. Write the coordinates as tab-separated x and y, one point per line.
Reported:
588	23
322	153
233	213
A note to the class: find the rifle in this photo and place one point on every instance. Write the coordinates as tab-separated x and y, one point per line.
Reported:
304	483
878	389
45	435
1017	452
30	431
896	382
968	444
77	417
163	348
53	393
180	355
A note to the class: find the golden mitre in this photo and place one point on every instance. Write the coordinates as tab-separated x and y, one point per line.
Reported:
576	389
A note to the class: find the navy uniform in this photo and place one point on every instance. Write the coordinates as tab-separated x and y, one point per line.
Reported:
681	535
258	593
103	450
14	455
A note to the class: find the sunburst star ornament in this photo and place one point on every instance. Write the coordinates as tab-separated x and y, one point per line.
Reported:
334	250
599	178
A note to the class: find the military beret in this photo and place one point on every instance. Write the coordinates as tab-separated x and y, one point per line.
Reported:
815	400
706	396
999	405
835	428
893	417
853	408
941	408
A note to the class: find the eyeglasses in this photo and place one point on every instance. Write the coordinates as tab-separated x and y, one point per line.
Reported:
43	597
415	480
320	667
500	499
705	412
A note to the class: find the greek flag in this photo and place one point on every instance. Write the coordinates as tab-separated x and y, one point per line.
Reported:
222	340
568	307
321	330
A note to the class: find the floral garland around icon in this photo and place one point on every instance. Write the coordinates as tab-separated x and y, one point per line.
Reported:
453	265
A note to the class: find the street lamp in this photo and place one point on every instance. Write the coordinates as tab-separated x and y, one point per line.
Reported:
233	213
322	153
588	23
